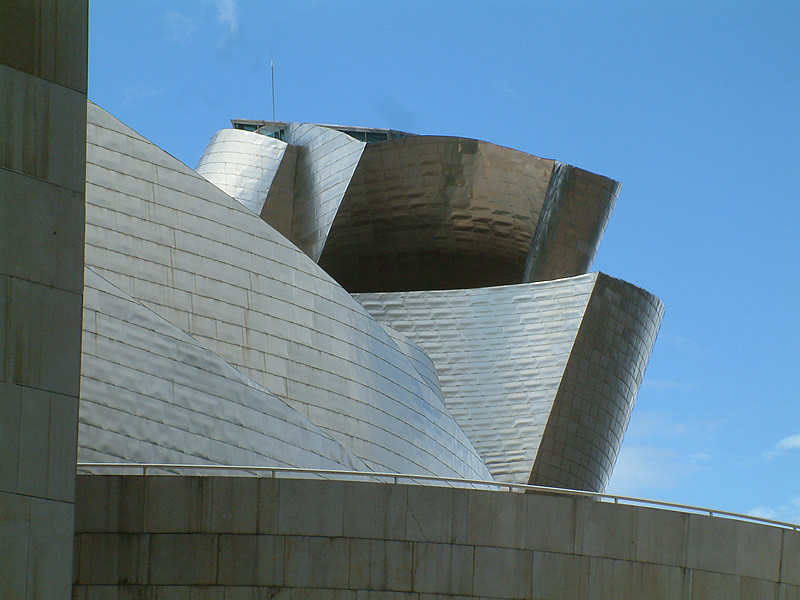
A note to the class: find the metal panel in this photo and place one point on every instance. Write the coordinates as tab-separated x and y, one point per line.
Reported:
428	212
574	218
325	164
599	387
535	374
242	164
199	259
499	353
151	393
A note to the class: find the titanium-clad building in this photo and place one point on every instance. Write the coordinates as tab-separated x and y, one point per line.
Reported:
331	297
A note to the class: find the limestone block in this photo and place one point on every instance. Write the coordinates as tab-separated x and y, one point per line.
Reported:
30	40
236	559
44	130
34	430
179	504
503	572
437	515
42	234
443	568
758	551
757	589
15	517
551	523
609	579
714	586
270	557
379	595
98	558
712	544
788	592
497	519
183	559
609	530
652	546
10	410
380	565
311	507
656	582
44	333
375	511
50	550
178	592
268	505
322	594
790	563
317	562
559	575
234	504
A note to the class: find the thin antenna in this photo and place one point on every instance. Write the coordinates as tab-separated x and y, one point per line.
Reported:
272	68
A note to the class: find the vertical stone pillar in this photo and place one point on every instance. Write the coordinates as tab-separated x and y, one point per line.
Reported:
43	49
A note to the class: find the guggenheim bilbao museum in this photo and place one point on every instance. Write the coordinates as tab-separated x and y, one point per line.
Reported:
393	342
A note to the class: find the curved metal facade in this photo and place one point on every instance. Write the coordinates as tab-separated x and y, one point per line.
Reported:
185	250
532	370
243	165
192	290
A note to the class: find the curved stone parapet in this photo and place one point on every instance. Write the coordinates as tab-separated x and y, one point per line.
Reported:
184	249
535	374
176	537
242	164
430	212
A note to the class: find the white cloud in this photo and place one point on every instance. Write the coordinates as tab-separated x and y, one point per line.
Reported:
791	442
228	15
179	28
788	513
647	471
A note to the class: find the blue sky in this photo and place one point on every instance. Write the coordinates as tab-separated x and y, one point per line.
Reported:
692	105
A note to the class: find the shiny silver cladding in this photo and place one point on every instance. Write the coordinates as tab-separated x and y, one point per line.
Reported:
326	162
181	247
242	164
599	387
541	377
430	212
151	393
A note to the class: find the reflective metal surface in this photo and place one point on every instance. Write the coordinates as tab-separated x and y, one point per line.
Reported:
182	248
326	161
535	381
574	217
535	374
242	164
429	212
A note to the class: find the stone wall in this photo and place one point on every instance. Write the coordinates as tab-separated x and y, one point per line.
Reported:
42	179
162	537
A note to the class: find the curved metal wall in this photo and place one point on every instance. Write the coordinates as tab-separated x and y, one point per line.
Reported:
242	164
535	374
574	217
599	386
500	354
326	161
151	393
177	244
428	212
